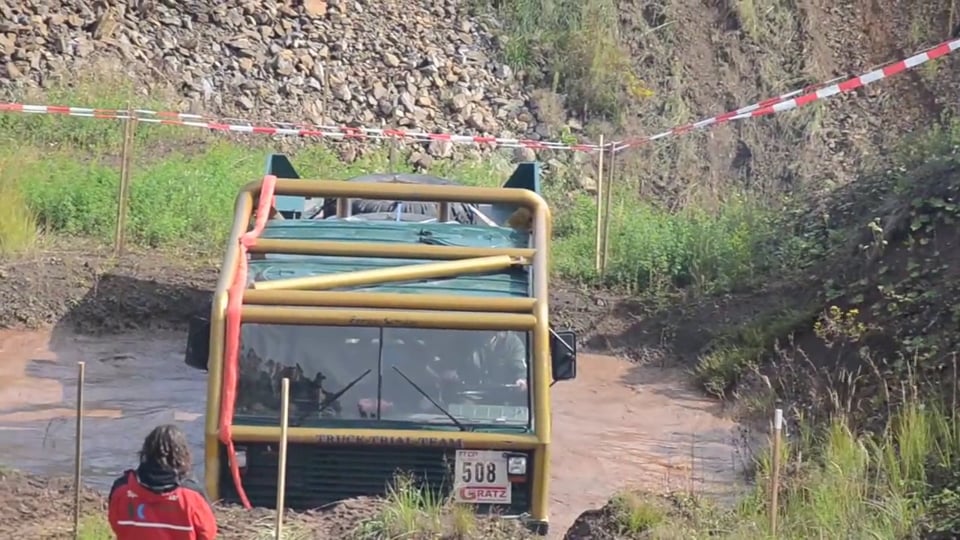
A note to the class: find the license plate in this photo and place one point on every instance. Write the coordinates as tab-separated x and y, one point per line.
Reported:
481	477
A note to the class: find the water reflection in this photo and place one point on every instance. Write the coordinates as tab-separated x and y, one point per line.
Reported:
133	383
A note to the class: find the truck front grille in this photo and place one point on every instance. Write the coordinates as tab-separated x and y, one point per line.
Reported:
321	475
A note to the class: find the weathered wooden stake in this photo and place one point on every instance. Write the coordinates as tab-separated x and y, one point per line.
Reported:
608	197
599	205
394	155
78	450
124	190
282	468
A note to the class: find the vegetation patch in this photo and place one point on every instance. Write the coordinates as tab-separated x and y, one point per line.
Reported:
573	47
414	513
835	483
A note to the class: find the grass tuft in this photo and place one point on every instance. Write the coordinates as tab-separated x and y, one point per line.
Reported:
410	511
634	513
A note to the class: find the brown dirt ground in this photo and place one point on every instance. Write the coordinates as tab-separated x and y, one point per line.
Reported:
88	288
35	507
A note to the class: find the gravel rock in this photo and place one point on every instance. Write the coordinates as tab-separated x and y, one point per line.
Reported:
416	64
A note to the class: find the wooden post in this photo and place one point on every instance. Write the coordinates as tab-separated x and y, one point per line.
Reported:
124	190
77	462
599	204
608	196
282	468
394	154
775	474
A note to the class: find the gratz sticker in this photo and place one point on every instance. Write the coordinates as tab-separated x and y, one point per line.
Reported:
481	477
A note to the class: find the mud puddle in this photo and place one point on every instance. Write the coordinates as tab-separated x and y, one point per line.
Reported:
132	383
620	425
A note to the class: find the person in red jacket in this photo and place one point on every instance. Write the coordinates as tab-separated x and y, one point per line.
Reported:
158	501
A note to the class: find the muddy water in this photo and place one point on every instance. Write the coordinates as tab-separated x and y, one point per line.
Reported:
619	425
616	426
133	383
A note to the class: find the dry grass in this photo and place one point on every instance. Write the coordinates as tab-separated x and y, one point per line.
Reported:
767	20
636	513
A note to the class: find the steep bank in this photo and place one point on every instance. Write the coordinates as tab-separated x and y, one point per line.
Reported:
448	68
856	346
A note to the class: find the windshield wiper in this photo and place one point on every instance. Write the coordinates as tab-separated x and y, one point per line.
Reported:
331	399
430	399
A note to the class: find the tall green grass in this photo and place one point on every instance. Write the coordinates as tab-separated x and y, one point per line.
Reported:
18	227
181	200
656	250
187	200
869	486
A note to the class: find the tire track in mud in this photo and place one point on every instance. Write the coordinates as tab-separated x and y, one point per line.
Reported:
617	426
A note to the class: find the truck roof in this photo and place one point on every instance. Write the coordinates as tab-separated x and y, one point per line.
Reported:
511	283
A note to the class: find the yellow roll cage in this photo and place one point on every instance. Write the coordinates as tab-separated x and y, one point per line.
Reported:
283	302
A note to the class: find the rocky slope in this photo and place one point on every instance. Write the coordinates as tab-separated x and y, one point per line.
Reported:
437	65
420	64
705	57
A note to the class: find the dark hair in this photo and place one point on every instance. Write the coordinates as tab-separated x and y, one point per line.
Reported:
167	446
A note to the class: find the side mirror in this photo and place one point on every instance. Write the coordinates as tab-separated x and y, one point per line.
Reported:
563	354
198	343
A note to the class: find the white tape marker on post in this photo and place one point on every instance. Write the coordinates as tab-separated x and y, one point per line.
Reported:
775	474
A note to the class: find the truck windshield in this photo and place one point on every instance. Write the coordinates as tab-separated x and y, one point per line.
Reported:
385	375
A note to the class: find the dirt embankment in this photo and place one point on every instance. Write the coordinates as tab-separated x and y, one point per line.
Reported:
93	292
87	288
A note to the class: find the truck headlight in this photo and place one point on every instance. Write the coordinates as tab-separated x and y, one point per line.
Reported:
517	465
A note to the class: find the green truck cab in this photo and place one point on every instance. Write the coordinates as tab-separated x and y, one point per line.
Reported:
410	315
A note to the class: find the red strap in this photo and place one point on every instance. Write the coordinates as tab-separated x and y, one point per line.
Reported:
228	397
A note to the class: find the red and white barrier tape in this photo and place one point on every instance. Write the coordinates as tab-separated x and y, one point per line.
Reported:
785	102
327	132
807	95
